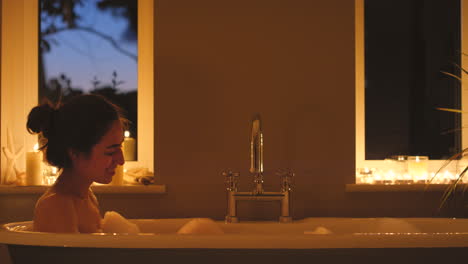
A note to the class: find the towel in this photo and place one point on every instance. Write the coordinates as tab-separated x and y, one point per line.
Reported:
139	176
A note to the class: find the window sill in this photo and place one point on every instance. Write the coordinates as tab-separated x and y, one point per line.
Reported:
100	189
399	187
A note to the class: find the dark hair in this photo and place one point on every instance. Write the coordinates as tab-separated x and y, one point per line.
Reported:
79	125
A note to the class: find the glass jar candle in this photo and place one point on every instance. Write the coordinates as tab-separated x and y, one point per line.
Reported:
418	167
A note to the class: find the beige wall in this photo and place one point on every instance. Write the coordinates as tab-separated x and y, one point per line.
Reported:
219	62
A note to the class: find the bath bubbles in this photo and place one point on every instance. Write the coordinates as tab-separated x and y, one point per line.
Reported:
200	226
319	231
113	222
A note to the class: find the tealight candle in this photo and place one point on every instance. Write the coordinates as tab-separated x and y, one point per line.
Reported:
34	167
129	145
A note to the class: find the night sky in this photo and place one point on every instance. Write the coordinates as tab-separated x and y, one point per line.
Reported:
82	56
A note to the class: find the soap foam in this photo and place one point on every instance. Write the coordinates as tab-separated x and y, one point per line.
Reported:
394	225
319	231
113	222
200	226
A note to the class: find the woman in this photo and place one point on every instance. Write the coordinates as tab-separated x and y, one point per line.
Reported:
83	139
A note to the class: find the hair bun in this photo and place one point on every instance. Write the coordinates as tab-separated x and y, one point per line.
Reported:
40	119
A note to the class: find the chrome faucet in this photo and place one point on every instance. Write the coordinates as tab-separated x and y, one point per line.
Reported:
256	153
256	168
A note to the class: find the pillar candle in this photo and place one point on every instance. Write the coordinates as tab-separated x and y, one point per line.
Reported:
34	168
118	177
129	145
417	167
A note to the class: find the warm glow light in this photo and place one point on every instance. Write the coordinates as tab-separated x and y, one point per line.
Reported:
36	147
410	170
127	134
373	176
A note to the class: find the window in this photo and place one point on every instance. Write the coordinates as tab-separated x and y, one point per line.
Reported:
19	87
379	133
91	47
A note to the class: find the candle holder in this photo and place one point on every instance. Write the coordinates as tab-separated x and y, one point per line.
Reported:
397	164
417	167
365	175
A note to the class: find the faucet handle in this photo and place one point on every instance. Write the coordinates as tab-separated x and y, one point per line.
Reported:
231	180
286	176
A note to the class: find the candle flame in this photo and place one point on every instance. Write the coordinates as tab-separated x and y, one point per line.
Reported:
36	147
127	134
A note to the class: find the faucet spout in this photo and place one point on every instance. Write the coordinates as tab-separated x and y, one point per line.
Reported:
256	153
256	146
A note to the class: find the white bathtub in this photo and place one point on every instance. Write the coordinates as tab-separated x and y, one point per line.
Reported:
325	239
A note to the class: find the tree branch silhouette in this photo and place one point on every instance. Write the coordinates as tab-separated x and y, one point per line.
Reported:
97	33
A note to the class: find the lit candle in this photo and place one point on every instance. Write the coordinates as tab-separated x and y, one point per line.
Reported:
378	179
118	177
34	167
129	147
417	166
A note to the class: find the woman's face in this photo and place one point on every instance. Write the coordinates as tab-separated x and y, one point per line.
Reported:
99	165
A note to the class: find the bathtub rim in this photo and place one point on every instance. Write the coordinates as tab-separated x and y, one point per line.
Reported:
233	241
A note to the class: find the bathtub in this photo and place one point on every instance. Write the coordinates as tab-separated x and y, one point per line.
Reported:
310	240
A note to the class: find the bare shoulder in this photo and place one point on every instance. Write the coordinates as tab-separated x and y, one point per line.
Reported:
55	212
55	203
53	199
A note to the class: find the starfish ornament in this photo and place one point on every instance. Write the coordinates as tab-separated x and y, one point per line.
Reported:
11	155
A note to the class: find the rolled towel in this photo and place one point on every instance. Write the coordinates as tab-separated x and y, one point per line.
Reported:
139	176
200	226
113	222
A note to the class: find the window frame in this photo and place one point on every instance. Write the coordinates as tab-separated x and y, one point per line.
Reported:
361	162
20	34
